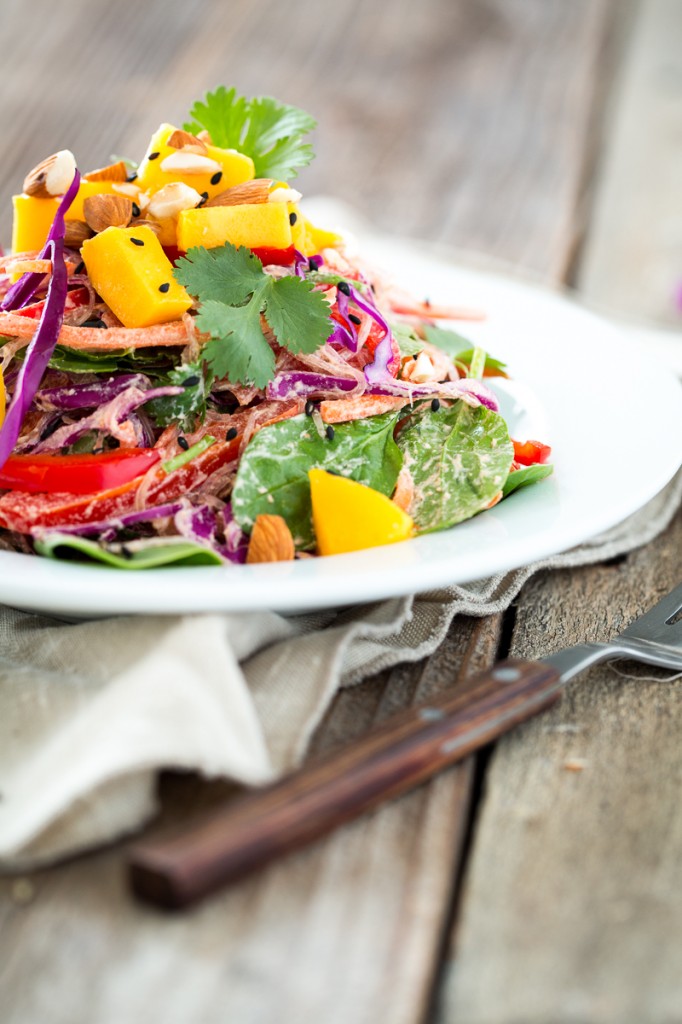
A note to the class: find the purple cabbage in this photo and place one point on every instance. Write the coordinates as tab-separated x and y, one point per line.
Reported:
146	515
42	344
87	396
305	384
452	389
21	293
200	524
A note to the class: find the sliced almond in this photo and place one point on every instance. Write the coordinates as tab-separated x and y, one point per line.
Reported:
205	137
284	195
255	191
127	188
107	211
271	541
113	172
170	200
76	233
184	140
184	162
52	176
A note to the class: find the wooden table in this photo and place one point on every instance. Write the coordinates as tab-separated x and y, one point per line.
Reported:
545	134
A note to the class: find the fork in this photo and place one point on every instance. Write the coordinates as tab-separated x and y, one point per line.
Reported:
409	748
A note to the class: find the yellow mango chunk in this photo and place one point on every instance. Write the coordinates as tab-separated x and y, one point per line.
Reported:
33	217
348	516
319	239
132	273
254	225
234	168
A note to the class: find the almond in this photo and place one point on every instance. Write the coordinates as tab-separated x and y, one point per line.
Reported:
107	211
52	176
255	191
76	233
271	541
140	222
184	140
184	162
205	137
113	172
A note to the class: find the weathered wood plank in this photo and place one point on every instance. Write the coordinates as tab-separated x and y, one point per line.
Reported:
458	122
633	259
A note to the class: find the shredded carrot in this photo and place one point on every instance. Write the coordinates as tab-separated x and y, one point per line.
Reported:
344	409
31	266
97	339
430	311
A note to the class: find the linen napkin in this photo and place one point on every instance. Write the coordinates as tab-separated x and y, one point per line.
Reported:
91	712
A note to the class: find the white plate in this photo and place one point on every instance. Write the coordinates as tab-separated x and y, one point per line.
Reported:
612	415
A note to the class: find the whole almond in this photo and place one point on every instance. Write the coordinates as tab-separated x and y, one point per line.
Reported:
255	191
113	172
142	222
184	140
271	541
76	233
52	176
107	211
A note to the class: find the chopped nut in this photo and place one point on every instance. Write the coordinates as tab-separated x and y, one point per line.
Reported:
255	191
185	141
205	137
113	172
418	370
142	223
127	188
184	162
284	195
76	233
170	200
52	177
271	541
107	211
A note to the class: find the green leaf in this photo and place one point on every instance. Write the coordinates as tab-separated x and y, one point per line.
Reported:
147	554
298	316
226	274
408	342
459	459
273	472
268	131
525	476
460	348
144	360
238	349
184	409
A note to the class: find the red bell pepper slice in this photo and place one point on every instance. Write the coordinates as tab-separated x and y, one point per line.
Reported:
75	298
76	474
528	453
280	257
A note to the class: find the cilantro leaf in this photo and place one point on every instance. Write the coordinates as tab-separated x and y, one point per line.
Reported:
227	274
238	349
185	408
234	292
264	129
298	316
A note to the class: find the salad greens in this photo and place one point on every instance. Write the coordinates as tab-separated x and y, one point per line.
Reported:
121	556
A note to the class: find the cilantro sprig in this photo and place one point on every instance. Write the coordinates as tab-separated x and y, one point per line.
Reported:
264	129
234	292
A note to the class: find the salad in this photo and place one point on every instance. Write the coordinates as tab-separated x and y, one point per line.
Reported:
191	372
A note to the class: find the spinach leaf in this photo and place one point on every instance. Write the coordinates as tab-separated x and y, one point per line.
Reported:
154	556
408	342
460	348
147	360
273	472
459	459
185	408
524	476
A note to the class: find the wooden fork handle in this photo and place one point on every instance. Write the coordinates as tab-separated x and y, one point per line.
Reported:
407	749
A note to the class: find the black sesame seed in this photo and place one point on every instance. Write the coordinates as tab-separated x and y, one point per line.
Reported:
191	381
137	241
231	434
292	219
164	287
183	443
309	407
435	404
312	265
330	432
344	287
154	156
80	268
204	197
126	552
354	319
216	177
132	176
95	322
427	302
136	210
49	429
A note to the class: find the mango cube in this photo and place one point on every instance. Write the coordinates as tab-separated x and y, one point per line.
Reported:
33	217
234	168
349	516
132	273
255	225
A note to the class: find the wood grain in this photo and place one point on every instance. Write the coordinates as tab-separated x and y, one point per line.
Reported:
451	120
